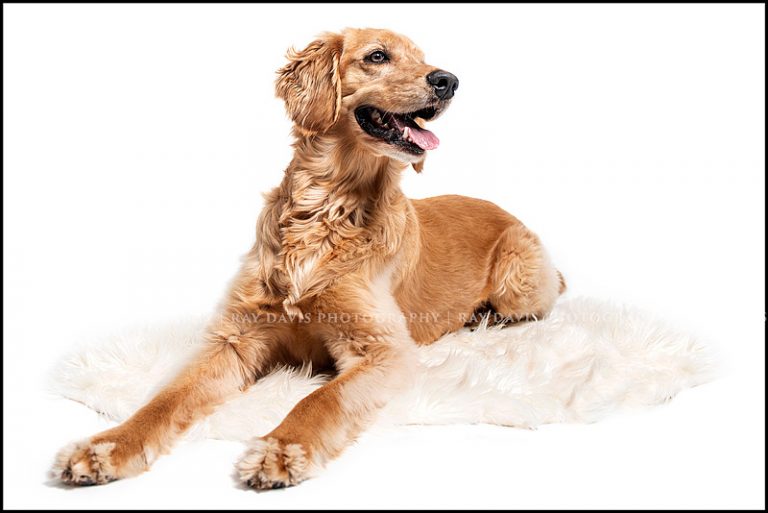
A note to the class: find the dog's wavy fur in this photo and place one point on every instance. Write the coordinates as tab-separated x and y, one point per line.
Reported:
346	273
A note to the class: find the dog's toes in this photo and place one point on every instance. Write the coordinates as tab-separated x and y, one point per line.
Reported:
84	464
270	465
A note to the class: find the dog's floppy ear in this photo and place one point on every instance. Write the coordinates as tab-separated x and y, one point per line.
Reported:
310	84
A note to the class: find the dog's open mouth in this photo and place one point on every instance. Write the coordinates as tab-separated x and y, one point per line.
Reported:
399	129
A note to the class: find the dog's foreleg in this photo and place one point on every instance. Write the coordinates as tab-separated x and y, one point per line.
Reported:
234	355
375	359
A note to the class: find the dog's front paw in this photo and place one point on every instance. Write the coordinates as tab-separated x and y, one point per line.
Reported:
270	463
85	463
98	460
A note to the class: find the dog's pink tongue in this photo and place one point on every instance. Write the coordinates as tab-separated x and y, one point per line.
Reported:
421	137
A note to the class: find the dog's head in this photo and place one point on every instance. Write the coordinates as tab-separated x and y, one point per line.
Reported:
369	86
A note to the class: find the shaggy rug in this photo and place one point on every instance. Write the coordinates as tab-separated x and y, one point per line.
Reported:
587	359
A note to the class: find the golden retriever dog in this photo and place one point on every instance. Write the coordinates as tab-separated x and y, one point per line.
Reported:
346	272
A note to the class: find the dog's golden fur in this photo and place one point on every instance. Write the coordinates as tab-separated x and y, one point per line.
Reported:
346	273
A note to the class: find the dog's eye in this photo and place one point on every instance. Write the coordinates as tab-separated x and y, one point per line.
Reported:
377	57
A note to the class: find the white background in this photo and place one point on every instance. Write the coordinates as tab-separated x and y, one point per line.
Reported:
137	141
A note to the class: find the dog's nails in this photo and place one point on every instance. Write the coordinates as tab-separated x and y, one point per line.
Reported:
85	480
278	485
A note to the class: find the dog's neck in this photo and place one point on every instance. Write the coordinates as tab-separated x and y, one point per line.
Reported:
328	170
335	199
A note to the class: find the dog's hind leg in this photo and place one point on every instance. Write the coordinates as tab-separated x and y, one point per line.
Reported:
523	282
235	354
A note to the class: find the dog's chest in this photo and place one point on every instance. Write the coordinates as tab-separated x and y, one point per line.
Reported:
319	238
318	251
303	264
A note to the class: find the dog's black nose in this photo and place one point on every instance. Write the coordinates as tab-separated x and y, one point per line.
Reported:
444	83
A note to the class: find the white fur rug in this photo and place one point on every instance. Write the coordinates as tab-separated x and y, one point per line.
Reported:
587	359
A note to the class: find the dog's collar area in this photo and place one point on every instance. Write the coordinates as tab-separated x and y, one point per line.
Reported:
399	129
